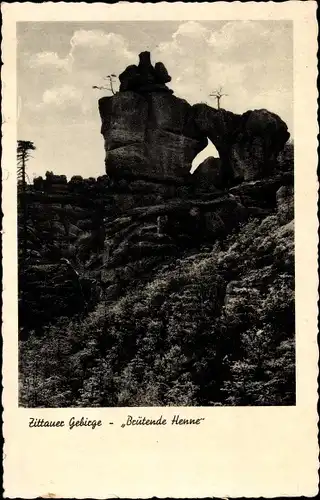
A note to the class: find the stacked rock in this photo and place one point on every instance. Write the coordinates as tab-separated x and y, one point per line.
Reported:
248	144
149	133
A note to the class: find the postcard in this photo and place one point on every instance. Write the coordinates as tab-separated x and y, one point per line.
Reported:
160	250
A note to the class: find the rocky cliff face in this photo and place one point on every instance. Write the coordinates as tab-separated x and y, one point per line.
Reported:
148	132
181	287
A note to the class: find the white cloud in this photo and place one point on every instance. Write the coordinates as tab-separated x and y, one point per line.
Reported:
58	96
252	61
91	51
93	54
42	59
97	38
191	30
96	50
234	36
249	59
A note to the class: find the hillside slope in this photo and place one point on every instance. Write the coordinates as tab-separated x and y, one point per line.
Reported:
212	324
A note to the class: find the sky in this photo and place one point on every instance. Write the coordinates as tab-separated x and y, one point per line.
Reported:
59	62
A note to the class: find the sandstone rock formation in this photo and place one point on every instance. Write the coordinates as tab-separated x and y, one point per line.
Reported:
261	137
149	133
248	144
153	136
145	77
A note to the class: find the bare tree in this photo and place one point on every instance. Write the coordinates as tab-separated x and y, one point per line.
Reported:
109	86
218	94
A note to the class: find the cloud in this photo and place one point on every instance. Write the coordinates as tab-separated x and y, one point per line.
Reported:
62	96
42	59
99	52
92	55
251	60
97	38
90	38
245	41
191	30
90	51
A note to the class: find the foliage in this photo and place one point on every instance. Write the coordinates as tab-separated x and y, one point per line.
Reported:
204	325
24	149
211	327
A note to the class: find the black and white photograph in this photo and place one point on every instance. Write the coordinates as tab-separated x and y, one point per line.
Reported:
155	165
159	243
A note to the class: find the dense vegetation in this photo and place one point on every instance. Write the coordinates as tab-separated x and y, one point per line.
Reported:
213	325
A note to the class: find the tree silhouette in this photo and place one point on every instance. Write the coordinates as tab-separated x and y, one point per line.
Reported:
218	94
24	149
109	86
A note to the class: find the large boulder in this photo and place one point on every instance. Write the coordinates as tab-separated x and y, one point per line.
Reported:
145	77
248	144
149	136
257	143
124	118
209	175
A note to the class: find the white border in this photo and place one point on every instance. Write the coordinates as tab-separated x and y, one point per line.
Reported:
236	451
